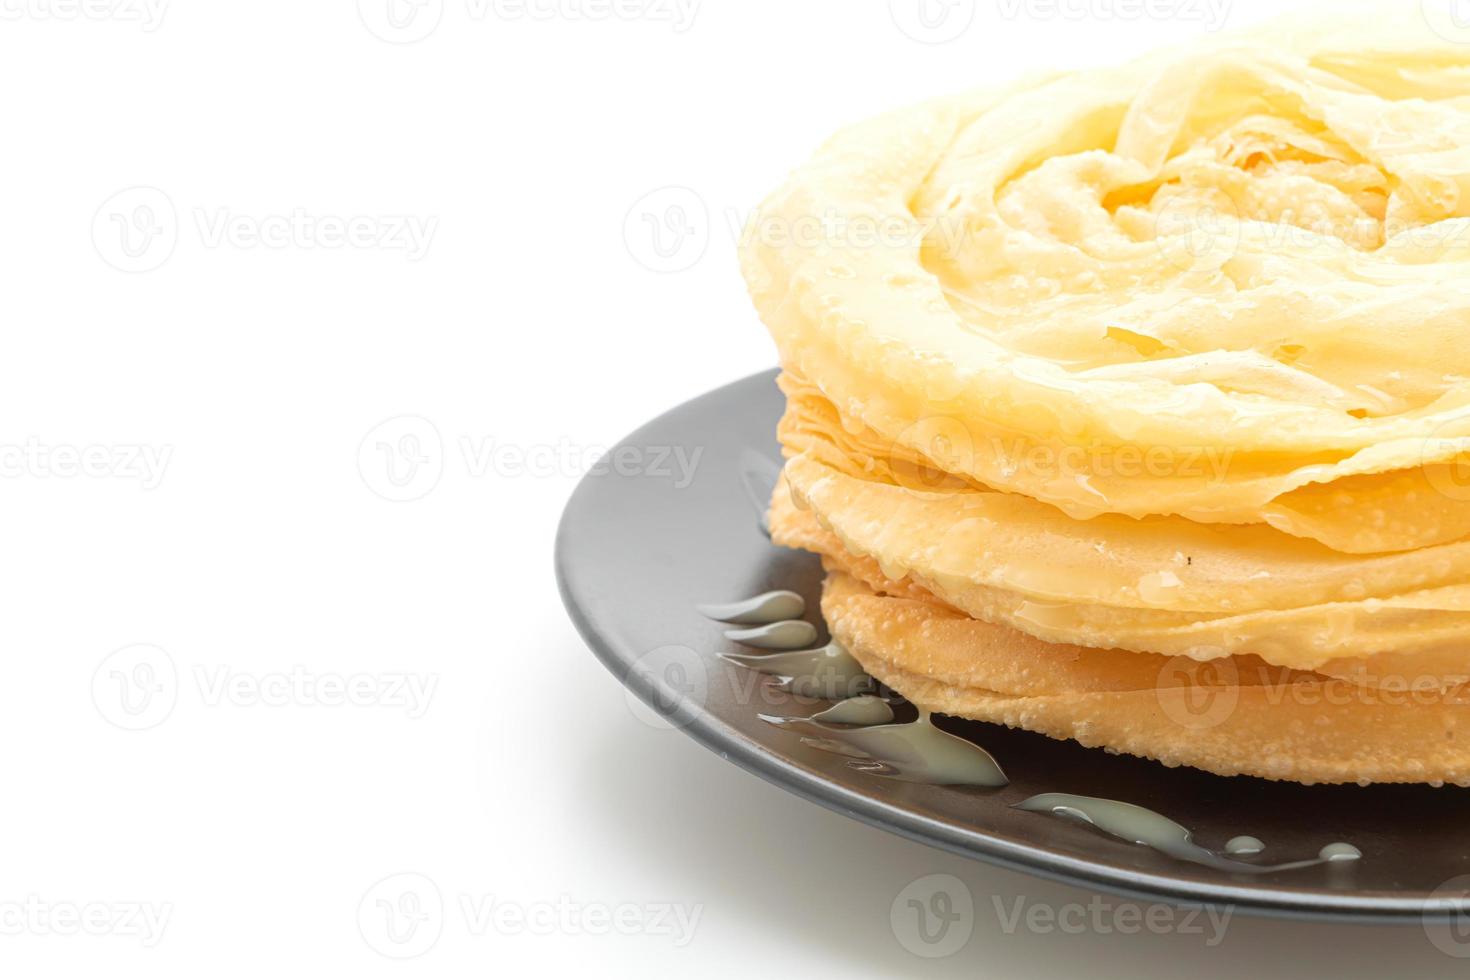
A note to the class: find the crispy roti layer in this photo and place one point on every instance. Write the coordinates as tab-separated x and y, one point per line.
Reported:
1233	716
1195	591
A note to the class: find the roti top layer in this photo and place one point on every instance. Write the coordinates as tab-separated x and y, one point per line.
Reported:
1252	251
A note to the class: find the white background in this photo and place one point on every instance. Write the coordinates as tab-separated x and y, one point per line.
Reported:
255	353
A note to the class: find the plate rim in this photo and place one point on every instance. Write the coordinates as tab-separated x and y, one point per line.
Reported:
708	730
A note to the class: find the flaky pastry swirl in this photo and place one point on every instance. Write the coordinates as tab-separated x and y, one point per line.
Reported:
1255	252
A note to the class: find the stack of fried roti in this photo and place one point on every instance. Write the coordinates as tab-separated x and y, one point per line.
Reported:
1133	406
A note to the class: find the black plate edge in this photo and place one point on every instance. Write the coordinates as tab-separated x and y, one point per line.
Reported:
729	744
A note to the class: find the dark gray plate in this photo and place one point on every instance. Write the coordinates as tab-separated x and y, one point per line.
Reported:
640	546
